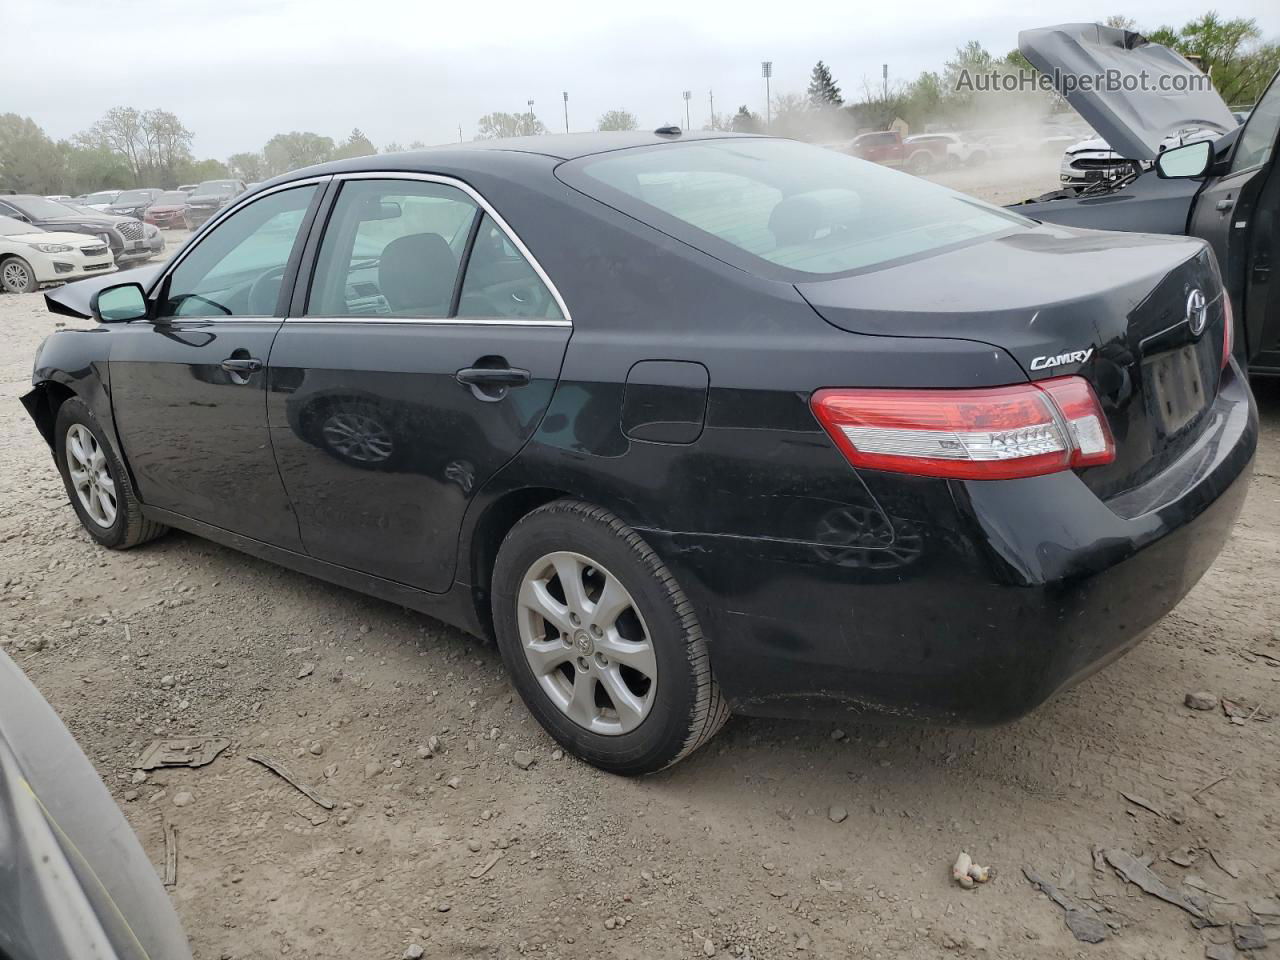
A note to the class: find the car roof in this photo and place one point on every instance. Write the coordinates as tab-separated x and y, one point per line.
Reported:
561	146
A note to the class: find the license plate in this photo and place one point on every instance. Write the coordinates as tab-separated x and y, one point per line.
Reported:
1176	388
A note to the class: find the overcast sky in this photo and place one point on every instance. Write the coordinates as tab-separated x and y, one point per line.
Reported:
238	71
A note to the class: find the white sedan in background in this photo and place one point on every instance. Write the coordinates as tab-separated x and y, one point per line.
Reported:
31	258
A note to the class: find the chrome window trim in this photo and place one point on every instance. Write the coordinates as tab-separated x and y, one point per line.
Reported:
209	225
363	319
488	208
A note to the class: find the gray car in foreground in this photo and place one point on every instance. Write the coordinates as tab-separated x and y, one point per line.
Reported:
74	881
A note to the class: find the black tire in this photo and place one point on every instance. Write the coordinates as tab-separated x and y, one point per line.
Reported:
129	528
920	163
17	276
687	707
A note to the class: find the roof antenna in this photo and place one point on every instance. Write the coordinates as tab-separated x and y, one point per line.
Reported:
670	130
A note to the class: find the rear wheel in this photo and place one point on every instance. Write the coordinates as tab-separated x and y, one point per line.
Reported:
920	162
601	642
17	276
97	483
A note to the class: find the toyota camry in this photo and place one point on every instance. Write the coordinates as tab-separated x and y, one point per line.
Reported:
691	423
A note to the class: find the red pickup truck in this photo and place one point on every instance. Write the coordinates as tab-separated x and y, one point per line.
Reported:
886	147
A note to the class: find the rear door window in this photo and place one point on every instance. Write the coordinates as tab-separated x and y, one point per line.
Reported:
501	283
392	248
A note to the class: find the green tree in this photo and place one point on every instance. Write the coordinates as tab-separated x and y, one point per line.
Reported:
91	168
289	151
194	171
744	121
617	120
499	124
249	167
1120	21
1232	53
30	162
152	143
823	91
356	145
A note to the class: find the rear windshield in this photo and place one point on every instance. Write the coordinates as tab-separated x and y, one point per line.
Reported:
769	204
134	196
215	187
171	197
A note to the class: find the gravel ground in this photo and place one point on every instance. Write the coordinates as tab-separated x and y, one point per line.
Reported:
782	839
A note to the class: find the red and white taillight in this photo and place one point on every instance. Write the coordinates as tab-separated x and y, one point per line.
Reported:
992	433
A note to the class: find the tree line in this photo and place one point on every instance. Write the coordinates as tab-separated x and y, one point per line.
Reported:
131	147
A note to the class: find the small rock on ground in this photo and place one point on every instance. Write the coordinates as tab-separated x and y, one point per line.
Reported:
1201	700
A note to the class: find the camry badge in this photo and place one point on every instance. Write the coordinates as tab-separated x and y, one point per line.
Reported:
1197	311
1048	363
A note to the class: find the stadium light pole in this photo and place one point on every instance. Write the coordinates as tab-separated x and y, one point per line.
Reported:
566	111
766	71
688	95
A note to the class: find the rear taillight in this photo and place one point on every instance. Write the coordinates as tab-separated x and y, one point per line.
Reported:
1228	329
994	433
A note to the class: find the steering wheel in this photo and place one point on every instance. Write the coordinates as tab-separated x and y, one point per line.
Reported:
265	293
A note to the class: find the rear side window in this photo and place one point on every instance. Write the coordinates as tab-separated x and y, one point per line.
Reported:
501	283
784	209
392	248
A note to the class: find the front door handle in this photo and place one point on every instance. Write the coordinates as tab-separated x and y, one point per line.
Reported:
493	376
242	365
1223	204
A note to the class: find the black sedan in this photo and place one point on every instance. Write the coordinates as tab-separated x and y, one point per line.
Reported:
690	423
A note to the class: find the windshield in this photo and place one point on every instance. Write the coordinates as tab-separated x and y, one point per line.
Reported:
39	208
10	227
134	196
105	196
805	209
171	198
214	188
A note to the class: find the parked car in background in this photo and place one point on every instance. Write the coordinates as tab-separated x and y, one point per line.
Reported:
963	459
1226	191
210	197
187	187
1092	160
57	196
168	211
886	147
102	199
76	881
134	203
131	241
31	258
947	149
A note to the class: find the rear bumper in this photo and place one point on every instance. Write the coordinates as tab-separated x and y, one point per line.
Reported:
994	596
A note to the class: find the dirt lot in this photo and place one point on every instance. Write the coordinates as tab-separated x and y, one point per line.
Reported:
779	840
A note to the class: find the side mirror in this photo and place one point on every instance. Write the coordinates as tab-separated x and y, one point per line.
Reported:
1187	161
119	304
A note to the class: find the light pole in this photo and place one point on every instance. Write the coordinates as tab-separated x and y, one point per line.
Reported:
766	71
530	118
711	95
566	111
688	95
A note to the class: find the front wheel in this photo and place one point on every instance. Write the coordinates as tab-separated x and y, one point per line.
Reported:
17	276
97	483
601	642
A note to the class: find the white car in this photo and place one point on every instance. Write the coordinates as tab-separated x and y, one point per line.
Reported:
31	258
1092	160
955	149
102	199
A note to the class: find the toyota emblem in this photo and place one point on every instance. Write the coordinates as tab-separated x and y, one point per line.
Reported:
1197	311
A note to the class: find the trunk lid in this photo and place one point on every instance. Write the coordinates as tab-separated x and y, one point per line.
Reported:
1111	307
1147	94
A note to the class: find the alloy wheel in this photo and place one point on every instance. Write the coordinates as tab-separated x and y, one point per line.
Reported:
586	643
14	276
90	475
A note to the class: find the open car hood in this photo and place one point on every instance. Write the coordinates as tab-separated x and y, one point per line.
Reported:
1133	121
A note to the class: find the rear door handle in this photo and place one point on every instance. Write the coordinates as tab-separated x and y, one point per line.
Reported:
493	376
1223	204
242	364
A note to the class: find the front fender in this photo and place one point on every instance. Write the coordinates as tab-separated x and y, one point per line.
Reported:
1148	205
75	362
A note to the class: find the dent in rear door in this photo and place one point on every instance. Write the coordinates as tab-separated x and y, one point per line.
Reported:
380	445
